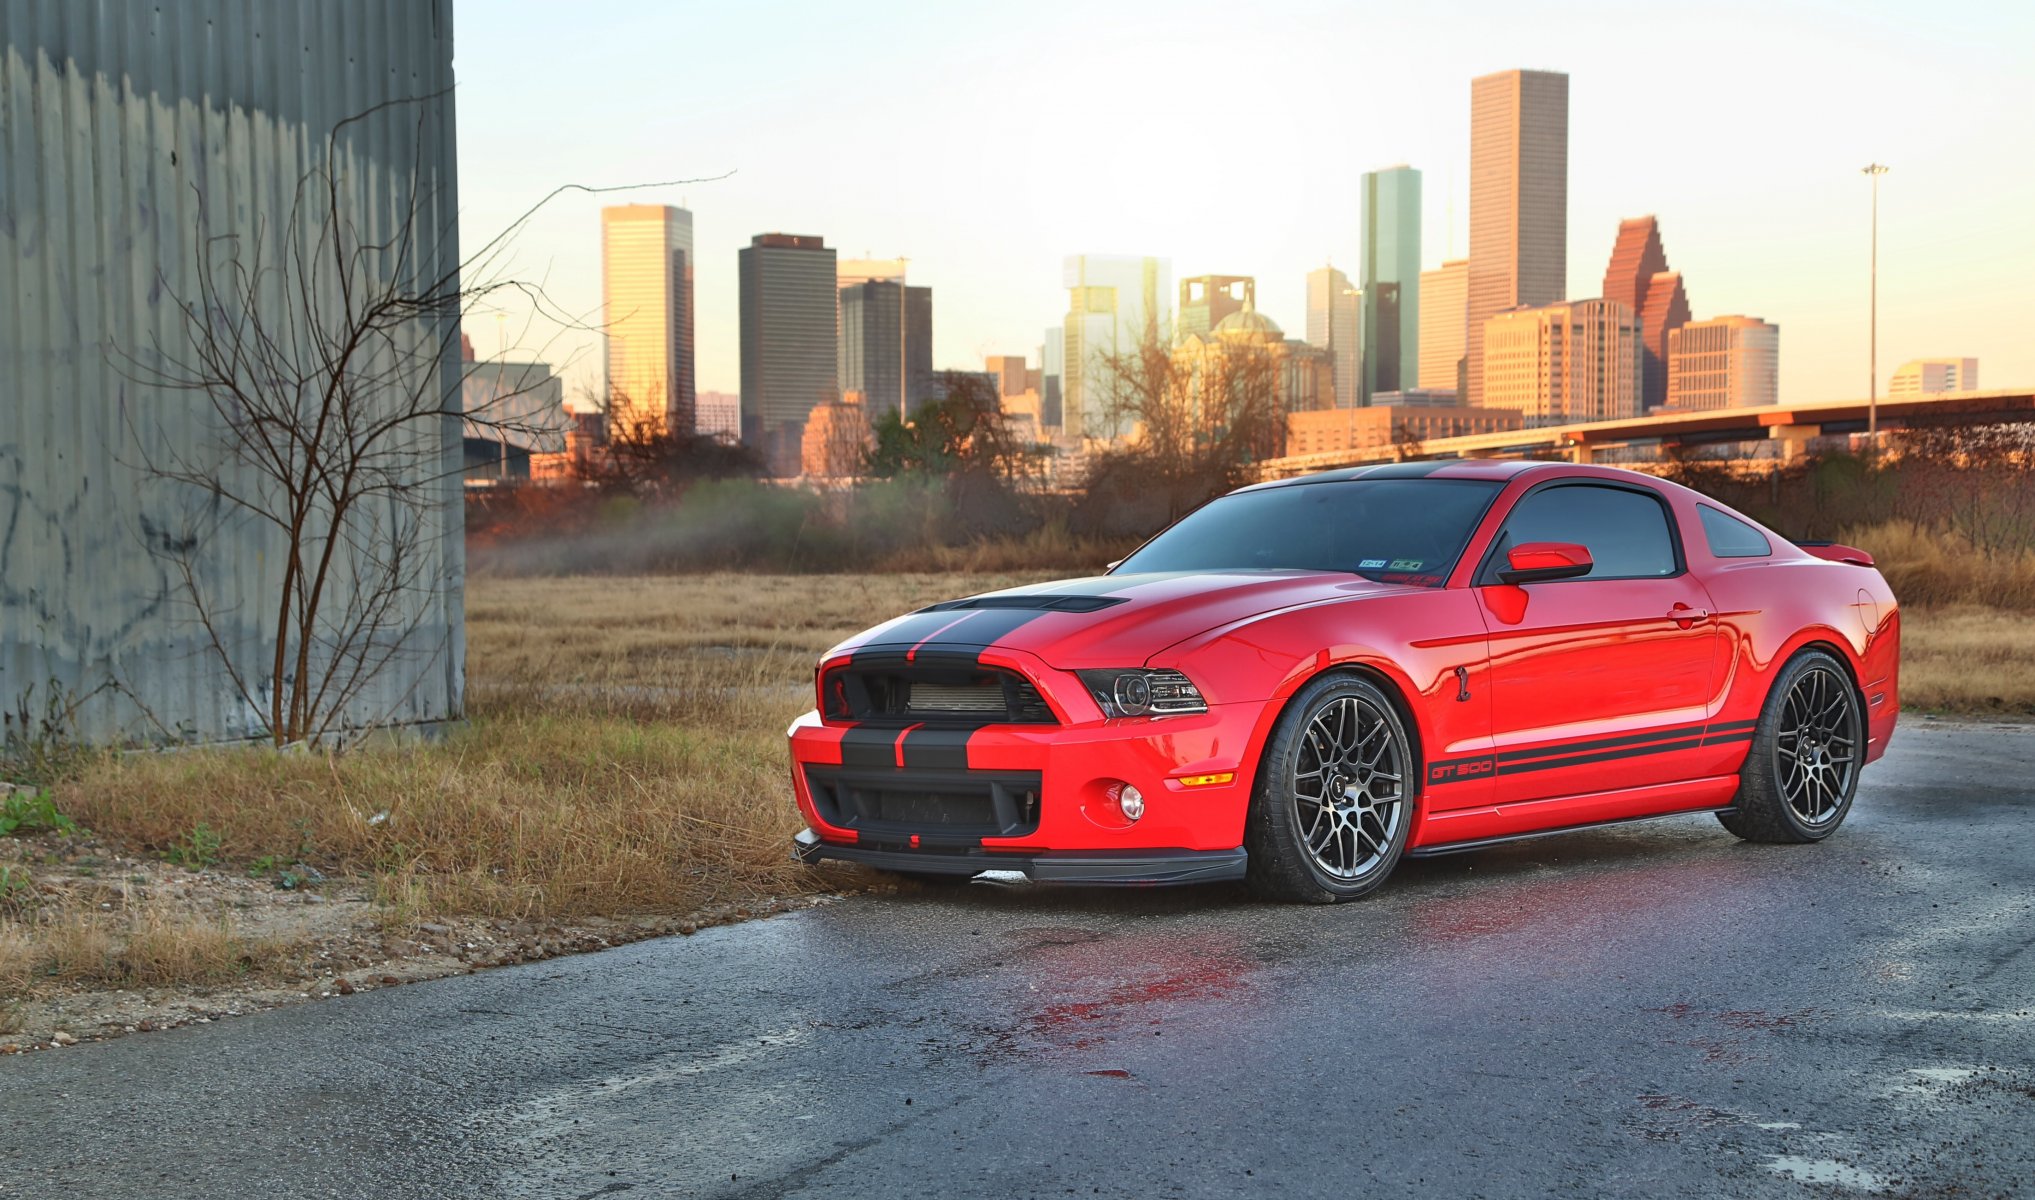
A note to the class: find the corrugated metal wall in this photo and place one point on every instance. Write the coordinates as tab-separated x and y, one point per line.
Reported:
122	124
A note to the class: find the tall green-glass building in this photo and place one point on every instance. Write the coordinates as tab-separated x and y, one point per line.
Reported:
1391	280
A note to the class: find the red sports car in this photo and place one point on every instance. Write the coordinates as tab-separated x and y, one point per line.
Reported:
1303	681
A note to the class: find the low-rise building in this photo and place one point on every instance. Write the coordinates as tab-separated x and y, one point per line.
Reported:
836	439
1926	376
1379	426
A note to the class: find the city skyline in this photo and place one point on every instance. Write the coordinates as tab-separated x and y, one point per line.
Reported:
1777	227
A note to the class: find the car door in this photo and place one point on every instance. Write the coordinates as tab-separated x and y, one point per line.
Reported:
1600	682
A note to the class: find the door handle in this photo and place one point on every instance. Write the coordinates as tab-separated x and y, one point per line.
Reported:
1685	617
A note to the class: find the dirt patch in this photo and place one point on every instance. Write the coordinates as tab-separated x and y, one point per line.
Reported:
82	936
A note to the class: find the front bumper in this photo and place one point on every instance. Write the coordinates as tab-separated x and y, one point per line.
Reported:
1102	868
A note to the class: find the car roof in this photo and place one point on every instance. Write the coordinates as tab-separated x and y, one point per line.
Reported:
1499	469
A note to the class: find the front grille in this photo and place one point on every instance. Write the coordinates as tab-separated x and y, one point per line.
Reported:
954	694
939	807
927	698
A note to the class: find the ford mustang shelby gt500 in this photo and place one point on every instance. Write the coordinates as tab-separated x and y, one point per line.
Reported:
1303	681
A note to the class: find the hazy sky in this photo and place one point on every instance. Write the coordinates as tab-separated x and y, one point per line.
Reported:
987	141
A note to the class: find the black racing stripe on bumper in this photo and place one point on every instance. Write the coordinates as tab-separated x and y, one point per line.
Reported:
936	749
870	746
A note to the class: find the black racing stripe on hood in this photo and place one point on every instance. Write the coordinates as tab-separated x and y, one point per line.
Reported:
973	627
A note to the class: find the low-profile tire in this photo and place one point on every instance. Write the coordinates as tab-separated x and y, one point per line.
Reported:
1802	771
1333	804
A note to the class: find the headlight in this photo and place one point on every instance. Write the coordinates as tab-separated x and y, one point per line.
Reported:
1143	692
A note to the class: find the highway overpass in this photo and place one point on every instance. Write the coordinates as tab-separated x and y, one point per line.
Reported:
1790	425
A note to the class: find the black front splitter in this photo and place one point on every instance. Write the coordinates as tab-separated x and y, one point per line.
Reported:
1095	868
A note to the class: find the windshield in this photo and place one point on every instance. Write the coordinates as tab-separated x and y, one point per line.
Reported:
1402	530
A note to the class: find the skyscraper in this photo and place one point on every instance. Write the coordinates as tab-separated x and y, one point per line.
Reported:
1052	379
873	345
790	346
920	384
1519	201
647	303
1638	277
1206	299
1561	363
1114	301
1724	362
886	335
1391	279
1444	325
1334	324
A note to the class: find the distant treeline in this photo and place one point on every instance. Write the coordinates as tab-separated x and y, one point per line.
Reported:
1967	493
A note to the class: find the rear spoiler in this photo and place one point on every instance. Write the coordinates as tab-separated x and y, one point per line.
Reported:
1838	552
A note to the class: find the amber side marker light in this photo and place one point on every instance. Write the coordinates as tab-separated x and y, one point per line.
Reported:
1208	780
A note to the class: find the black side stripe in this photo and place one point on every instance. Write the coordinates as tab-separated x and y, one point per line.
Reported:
1577	754
1678	731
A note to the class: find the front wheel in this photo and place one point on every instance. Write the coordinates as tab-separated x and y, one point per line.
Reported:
1333	805
1802	771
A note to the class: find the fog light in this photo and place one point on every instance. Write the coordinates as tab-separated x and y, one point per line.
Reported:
1132	802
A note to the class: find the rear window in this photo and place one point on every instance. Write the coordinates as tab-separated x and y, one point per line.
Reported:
1730	537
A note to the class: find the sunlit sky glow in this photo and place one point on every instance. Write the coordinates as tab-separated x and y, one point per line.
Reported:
986	142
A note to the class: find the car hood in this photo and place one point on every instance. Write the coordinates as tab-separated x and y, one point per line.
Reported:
1108	620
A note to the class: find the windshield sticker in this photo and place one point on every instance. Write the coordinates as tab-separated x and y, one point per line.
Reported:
1371	564
1406	564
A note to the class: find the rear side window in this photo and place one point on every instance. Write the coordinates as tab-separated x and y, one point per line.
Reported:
1625	531
1730	537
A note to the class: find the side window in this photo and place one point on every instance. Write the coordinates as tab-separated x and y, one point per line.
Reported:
1730	537
1625	531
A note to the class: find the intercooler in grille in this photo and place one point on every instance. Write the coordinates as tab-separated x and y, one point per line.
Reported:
985	698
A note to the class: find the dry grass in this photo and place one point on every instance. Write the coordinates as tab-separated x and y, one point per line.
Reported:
148	947
1929	567
1971	661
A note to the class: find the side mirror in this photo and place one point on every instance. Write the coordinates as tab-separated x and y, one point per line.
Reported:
1538	562
1107	568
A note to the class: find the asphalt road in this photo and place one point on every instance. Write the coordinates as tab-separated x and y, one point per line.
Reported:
1654	1011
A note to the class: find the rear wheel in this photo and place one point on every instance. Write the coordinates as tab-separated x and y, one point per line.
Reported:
1334	801
1802	771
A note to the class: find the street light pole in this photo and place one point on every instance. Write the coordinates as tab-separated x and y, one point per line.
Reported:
1872	403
